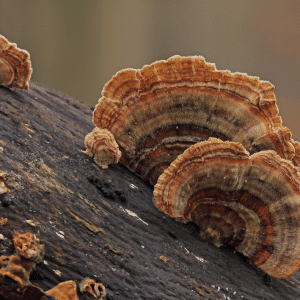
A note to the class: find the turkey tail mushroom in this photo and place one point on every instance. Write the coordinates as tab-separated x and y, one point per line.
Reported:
251	203
15	65
66	290
102	143
161	110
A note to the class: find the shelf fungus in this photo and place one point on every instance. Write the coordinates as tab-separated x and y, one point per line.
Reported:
91	287
102	143
29	251
161	110
15	65
251	203
66	290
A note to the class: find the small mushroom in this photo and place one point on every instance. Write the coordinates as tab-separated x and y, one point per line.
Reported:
251	203
15	65
66	290
17	268
90	286
102	143
161	110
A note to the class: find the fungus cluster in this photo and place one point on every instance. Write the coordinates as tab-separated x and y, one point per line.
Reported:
67	290
29	251
15	65
214	146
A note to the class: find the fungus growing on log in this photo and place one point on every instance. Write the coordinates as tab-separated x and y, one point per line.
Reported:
15	65
251	203
66	290
161	110
29	246
90	286
29	251
102	143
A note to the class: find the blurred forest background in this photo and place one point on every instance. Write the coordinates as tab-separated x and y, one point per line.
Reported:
77	46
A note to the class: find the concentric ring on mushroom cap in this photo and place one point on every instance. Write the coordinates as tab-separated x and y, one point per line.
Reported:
249	202
15	65
159	111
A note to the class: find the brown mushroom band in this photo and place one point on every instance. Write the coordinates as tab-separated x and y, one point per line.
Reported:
249	202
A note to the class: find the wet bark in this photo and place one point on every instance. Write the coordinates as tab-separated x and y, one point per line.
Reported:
101	223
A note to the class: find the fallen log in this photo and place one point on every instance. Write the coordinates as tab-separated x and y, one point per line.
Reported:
100	223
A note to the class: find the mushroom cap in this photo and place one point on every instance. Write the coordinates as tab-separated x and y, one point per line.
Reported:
102	143
249	202
90	286
66	290
161	110
15	65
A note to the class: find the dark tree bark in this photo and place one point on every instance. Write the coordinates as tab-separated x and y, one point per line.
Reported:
101	223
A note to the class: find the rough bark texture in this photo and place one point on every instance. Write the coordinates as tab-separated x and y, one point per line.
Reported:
85	215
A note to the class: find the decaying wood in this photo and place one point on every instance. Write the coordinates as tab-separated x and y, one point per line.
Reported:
100	223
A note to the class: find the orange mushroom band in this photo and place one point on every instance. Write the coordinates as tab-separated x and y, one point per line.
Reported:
102	143
251	203
15	65
161	110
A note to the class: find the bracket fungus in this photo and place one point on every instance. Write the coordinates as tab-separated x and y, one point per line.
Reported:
161	110
15	65
91	287
29	251
29	246
102	143
251	203
66	290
